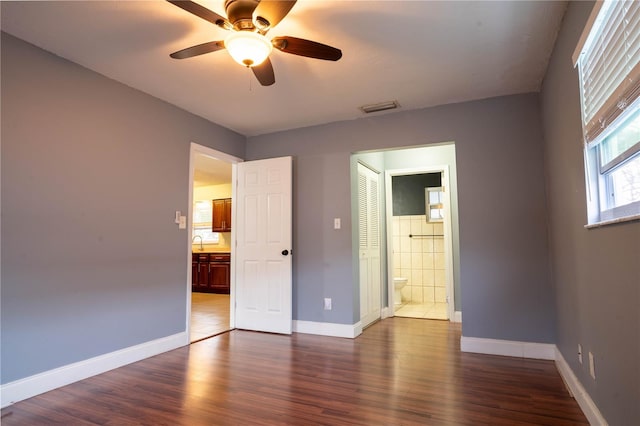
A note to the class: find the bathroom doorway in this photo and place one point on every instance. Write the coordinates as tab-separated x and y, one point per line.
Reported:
433	237
420	250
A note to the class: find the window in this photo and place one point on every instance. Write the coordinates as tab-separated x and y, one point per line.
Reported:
608	60
435	204
202	217
619	157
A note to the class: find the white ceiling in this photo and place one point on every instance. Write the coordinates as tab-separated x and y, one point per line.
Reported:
420	53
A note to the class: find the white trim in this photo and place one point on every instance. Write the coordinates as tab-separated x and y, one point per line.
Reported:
539	351
386	312
613	221
448	242
457	316
234	232
328	328
581	396
508	348
43	382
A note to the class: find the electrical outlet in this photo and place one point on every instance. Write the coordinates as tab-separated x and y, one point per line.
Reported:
592	366
579	353
327	304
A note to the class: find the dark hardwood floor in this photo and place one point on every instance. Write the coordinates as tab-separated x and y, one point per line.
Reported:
400	371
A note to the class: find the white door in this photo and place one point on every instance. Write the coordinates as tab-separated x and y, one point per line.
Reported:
369	244
263	246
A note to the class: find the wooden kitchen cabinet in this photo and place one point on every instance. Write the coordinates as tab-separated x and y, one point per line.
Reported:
200	264
219	273
221	215
194	272
211	272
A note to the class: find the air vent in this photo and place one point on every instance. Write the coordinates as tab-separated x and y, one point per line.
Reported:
383	106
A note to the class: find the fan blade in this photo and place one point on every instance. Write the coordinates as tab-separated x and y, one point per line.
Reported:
202	12
264	73
308	48
273	11
199	49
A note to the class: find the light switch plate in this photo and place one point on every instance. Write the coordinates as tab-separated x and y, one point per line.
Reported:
336	223
327	304
183	222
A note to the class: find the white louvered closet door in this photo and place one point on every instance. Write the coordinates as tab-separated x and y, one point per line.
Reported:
369	244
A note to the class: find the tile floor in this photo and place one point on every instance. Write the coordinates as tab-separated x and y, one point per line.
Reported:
209	315
423	310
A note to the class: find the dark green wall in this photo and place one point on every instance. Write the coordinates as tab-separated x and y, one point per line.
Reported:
408	192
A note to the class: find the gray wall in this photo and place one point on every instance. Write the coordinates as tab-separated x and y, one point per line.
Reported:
92	173
596	272
504	269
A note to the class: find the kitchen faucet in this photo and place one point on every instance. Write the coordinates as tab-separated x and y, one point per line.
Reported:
194	238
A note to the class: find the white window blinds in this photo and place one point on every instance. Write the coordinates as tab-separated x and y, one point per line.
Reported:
609	66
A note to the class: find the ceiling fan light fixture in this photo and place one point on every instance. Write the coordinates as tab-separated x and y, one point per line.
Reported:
248	48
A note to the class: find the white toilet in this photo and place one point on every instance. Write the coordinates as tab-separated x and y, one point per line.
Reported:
398	283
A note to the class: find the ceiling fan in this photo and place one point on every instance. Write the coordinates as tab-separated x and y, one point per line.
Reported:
249	21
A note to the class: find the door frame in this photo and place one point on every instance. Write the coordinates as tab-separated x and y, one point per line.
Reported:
194	150
448	235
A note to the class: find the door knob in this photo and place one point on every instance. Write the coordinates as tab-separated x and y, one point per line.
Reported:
285	252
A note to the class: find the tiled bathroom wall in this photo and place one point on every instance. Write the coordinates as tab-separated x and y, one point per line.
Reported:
419	259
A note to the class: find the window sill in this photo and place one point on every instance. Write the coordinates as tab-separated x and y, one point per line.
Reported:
630	218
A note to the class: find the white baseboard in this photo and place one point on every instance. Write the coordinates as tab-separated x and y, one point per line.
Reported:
43	382
539	351
508	348
328	329
385	313
457	316
581	396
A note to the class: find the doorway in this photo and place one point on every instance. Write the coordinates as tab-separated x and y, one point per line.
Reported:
439	237
210	302
420	251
